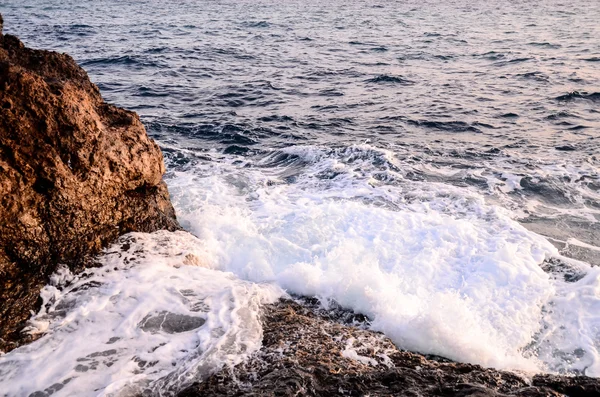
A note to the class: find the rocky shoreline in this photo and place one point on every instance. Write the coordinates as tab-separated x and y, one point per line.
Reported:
307	353
76	173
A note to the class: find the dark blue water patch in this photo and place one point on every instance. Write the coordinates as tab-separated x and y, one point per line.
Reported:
592	59
157	50
110	86
560	115
238	150
536	76
127	60
521	143
318	75
181	129
244	96
244	57
257	24
571	96
450	126
81	26
578	127
81	30
150	92
279	159
227	134
383	128
237	139
232	133
518	60
174	157
485	125
410	56
494	150
145	107
469	153
330	92
223	51
192	115
340	122
276	118
379	49
492	55
509	116
566	148
389	79
545	45
563	123
512	61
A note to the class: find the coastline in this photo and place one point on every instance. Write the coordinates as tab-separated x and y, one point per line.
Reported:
303	353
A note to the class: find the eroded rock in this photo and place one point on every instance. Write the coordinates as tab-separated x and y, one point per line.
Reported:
75	173
307	354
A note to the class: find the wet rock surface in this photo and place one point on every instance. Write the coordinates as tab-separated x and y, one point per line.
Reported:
75	173
307	354
171	323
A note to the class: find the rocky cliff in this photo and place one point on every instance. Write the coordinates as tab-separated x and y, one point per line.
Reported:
75	173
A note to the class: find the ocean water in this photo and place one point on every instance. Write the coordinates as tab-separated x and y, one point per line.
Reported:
432	165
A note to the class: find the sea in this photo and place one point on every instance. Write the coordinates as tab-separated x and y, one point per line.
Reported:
433	165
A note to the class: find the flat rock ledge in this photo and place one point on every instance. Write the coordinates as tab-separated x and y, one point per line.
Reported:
75	173
305	353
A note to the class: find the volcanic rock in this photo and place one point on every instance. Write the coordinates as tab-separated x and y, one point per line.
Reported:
75	173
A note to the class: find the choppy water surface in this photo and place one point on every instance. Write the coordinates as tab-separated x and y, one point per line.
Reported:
433	165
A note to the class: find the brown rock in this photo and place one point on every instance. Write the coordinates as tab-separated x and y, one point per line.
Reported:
303	354
75	173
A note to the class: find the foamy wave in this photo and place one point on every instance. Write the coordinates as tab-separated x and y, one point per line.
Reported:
154	317
436	268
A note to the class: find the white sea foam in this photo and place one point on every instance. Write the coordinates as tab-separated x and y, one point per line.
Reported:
351	353
437	269
154	316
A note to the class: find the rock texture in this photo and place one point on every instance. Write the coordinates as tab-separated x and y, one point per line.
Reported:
307	354
75	173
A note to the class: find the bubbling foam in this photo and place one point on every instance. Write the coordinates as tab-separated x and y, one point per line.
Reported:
435	268
153	317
